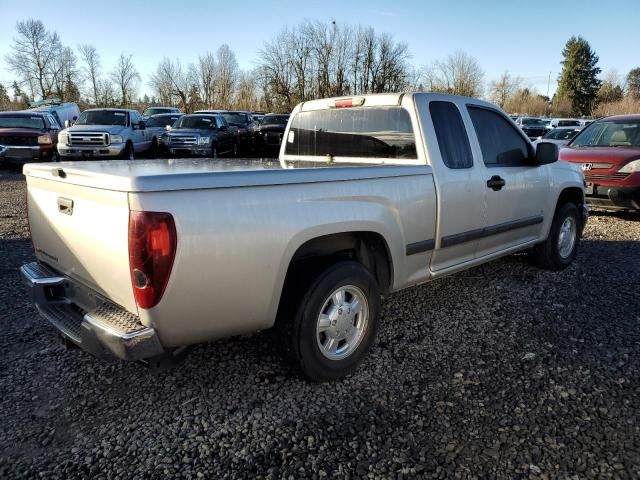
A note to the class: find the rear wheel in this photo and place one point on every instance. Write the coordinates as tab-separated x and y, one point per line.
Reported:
335	322
560	248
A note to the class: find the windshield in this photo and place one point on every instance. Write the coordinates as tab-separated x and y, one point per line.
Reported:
237	118
103	117
610	134
161	121
275	120
21	121
562	134
534	122
155	111
569	123
197	122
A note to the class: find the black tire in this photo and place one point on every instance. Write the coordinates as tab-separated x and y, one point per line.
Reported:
153	151
127	153
235	150
302	340
548	255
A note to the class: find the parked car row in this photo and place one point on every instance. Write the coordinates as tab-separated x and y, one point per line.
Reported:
52	131
537	127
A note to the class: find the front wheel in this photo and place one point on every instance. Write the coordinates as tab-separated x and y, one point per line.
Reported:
560	248
335	323
127	153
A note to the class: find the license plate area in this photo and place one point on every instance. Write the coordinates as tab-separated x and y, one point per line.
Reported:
589	189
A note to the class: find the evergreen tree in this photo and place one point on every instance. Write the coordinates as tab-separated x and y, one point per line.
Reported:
20	99
578	80
633	83
71	91
5	100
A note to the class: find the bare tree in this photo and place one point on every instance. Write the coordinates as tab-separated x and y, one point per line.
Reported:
172	80
458	74
106	93
503	88
91	60
527	102
65	75
126	77
226	75
246	97
206	78
316	59
33	56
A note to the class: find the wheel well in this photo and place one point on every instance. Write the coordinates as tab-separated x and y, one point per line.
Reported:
571	195
316	255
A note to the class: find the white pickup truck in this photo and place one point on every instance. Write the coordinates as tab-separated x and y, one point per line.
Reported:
370	195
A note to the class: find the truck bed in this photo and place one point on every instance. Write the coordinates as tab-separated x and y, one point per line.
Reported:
189	174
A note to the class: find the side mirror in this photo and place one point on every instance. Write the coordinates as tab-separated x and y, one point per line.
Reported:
67	124
142	125
546	152
75	118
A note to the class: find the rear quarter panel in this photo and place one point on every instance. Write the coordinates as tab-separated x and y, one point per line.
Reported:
235	245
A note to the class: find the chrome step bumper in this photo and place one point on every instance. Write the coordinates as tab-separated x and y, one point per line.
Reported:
106	331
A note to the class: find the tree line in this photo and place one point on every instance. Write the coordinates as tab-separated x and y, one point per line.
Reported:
311	60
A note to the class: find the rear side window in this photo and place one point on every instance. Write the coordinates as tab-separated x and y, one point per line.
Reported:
499	141
451	134
368	132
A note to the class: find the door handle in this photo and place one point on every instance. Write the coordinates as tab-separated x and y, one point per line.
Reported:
496	183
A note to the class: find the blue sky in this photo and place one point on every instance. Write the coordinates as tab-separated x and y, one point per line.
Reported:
525	38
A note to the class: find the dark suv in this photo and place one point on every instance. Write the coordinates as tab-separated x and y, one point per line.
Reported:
267	136
28	137
609	153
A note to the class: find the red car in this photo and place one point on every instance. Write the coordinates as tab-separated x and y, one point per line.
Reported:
28	136
609	153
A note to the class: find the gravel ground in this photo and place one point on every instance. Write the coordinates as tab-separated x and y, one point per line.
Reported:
503	371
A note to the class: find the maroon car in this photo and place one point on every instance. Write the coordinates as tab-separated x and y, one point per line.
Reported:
28	136
609	153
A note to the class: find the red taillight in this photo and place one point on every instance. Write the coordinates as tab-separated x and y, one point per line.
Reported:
152	248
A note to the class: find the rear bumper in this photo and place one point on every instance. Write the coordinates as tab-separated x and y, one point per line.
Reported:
101	151
615	198
106	331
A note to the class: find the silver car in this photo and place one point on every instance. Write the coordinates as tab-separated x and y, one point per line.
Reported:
561	136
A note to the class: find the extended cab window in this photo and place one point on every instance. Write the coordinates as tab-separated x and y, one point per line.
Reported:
451	134
367	132
499	141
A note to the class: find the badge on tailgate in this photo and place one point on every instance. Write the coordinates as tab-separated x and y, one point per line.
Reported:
65	205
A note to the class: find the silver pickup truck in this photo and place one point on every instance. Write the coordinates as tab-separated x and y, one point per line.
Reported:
370	195
105	133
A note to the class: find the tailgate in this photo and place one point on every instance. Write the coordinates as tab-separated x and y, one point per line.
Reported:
82	231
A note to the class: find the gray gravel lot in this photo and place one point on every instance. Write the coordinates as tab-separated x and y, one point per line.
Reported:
503	371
